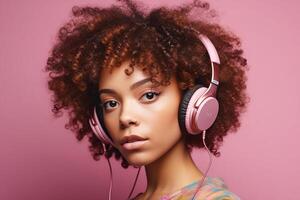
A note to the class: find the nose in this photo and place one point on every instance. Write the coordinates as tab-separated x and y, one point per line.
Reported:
128	115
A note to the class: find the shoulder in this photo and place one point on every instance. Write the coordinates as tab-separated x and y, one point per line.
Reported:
215	188
219	195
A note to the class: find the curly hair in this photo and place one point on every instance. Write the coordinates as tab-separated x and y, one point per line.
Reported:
97	38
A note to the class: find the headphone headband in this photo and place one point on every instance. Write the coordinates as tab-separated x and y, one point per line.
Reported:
215	61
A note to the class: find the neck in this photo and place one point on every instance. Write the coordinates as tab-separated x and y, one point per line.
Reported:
171	172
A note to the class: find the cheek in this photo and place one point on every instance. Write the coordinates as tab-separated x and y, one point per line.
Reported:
163	124
165	120
111	122
169	128
166	113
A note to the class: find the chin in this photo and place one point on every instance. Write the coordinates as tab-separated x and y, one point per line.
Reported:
138	159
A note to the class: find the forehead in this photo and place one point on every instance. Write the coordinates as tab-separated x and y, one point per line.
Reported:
117	76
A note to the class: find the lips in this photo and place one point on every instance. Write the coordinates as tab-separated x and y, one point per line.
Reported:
131	138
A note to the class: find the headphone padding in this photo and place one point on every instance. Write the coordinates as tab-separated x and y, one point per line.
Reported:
184	105
100	116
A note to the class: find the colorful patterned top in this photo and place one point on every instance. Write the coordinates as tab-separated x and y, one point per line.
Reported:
212	189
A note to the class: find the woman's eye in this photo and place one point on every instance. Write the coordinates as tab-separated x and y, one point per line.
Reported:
147	97
108	105
150	96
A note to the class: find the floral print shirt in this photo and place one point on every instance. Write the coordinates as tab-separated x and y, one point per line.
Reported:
213	188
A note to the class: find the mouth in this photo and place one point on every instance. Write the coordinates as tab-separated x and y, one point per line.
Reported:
133	142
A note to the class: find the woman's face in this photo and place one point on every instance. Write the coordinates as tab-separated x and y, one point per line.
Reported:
133	106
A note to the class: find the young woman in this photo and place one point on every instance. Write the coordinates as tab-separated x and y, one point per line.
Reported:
148	87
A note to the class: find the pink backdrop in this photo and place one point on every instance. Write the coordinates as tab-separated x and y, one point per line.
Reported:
41	160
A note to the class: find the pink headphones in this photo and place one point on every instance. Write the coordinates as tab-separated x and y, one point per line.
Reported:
198	108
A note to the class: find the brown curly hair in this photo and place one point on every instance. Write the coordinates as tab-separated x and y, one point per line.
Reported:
161	40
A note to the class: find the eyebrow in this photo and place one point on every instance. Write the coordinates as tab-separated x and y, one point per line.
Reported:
133	86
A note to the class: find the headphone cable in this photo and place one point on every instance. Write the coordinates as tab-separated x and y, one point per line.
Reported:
210	162
136	177
111	180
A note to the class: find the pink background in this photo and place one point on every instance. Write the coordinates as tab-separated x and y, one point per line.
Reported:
39	159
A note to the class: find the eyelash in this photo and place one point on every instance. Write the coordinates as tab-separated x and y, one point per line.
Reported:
150	92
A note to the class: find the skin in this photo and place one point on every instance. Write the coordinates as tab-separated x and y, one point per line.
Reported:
139	110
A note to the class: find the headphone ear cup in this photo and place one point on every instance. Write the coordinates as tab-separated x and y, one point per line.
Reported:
183	106
203	116
98	127
100	116
207	113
